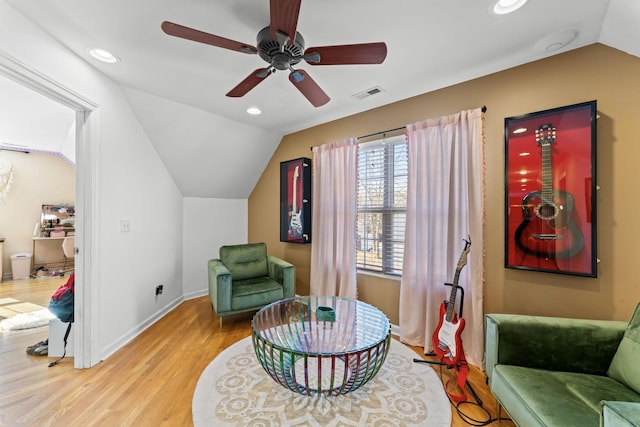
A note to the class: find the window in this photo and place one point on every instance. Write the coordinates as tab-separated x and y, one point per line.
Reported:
382	205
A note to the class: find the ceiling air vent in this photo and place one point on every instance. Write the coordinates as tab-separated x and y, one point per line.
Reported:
367	93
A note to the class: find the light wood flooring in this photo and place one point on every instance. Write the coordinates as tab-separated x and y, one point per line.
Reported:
149	382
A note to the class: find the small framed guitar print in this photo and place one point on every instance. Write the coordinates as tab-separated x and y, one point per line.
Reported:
550	184
295	201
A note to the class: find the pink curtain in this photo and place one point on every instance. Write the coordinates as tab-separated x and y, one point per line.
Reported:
445	204
333	230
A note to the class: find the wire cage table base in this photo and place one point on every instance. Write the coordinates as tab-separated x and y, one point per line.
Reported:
321	345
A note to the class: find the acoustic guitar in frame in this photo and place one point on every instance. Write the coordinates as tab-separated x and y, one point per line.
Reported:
446	339
547	229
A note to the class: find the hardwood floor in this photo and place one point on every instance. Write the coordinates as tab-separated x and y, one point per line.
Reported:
149	382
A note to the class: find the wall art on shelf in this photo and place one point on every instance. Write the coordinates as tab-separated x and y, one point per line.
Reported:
550	185
295	201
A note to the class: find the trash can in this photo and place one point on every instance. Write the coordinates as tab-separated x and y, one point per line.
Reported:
20	266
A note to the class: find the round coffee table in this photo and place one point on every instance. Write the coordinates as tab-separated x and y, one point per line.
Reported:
324	345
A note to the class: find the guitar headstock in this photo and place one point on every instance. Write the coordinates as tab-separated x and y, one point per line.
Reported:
545	135
463	256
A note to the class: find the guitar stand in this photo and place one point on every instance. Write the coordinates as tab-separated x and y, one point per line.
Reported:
433	362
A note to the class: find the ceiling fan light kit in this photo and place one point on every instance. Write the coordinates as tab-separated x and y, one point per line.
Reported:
281	51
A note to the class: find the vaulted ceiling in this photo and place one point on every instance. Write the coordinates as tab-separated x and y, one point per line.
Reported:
177	87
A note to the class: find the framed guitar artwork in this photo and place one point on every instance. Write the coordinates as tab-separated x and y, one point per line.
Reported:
550	190
295	201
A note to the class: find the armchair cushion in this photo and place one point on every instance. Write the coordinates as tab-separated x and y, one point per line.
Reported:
245	261
254	292
625	366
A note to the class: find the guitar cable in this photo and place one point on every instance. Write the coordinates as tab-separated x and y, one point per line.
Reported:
457	405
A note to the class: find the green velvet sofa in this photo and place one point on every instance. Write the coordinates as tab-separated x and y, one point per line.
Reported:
547	371
245	278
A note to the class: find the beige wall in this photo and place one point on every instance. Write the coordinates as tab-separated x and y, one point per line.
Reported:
594	72
38	179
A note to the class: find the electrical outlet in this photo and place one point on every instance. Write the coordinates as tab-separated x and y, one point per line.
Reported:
125	225
159	289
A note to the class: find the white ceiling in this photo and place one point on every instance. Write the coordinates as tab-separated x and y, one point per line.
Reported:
431	44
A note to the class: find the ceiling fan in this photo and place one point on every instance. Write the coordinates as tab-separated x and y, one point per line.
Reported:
282	47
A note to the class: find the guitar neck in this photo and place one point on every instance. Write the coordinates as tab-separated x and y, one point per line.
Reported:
294	181
454	288
452	298
547	181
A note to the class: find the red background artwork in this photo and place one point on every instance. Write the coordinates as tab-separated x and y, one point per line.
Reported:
568	244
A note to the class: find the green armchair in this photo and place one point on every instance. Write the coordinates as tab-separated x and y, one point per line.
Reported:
245	278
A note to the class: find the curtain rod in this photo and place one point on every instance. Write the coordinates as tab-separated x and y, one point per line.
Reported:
484	110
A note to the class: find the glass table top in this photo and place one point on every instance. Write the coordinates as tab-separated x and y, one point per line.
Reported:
321	325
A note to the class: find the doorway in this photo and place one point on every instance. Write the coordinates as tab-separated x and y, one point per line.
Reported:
85	326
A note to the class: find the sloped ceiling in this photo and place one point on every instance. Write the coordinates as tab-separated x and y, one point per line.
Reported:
213	148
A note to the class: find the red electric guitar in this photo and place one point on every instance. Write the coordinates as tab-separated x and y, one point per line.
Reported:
447	343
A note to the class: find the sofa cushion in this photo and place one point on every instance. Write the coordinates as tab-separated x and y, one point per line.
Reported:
538	397
624	366
245	261
535	398
593	389
620	414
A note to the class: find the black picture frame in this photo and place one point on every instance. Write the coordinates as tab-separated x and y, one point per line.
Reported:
550	190
295	200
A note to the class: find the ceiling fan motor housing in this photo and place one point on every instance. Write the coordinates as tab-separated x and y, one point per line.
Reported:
281	56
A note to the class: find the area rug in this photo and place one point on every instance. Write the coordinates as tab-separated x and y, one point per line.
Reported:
234	390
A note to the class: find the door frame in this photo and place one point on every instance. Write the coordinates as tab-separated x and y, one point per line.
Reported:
86	308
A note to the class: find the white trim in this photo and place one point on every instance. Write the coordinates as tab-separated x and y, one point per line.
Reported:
395	330
86	318
196	294
33	79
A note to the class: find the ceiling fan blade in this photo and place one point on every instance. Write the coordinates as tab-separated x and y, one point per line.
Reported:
309	88
366	53
284	18
249	83
183	32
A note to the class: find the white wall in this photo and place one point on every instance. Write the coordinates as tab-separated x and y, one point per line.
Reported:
132	183
209	224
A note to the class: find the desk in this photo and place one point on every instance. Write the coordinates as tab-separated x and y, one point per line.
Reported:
51	254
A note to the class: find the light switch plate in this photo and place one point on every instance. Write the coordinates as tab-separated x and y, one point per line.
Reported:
125	225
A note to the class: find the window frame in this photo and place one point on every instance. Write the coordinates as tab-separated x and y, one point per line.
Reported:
391	239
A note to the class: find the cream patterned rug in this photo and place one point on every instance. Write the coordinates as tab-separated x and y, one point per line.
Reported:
234	390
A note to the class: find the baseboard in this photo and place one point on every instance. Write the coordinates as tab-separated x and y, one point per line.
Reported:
137	330
395	330
196	294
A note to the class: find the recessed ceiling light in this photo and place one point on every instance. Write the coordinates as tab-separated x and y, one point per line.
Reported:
103	55
502	7
254	111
